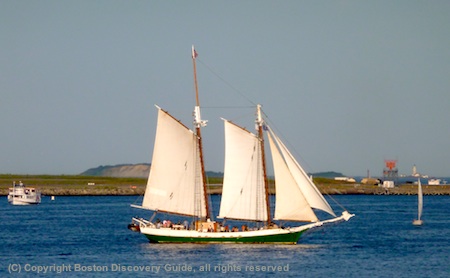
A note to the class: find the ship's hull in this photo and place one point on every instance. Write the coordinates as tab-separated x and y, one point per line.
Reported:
417	222
17	202
291	238
292	235
20	195
24	201
277	236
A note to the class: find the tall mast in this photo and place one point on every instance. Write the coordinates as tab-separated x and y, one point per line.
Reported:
198	122
259	124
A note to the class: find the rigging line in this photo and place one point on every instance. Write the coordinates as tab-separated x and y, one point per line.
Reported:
337	203
138	198
292	148
226	82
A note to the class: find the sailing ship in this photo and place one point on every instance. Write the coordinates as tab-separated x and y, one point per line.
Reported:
177	184
418	221
20	194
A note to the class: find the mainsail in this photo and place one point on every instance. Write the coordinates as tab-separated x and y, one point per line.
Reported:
243	195
175	181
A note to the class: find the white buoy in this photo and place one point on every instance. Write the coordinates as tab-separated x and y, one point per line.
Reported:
53	198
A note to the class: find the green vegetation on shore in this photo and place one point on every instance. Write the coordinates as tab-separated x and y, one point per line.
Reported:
75	185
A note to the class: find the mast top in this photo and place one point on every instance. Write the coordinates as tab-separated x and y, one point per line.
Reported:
198	122
259	120
194	53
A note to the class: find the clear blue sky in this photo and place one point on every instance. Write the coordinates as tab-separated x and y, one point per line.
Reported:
348	83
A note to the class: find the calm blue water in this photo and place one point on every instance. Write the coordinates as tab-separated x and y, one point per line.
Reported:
88	236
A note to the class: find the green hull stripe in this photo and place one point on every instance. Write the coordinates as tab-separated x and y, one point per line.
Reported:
291	238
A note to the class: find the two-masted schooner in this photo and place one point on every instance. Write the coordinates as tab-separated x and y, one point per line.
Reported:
177	184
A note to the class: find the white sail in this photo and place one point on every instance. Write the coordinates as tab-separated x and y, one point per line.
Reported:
290	204
307	187
175	180
420	200
243	194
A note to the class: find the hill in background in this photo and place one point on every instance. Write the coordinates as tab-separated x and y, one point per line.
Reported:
120	171
142	170
329	175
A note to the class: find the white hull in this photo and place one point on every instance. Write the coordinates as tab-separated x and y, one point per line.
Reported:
221	235
21	195
21	202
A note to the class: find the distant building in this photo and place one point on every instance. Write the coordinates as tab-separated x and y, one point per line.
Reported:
414	171
370	181
390	171
347	179
387	184
434	182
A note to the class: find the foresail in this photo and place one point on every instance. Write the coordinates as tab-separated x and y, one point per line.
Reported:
290	204
243	195
175	182
307	187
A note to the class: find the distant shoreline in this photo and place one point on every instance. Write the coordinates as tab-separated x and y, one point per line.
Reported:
111	186
344	189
